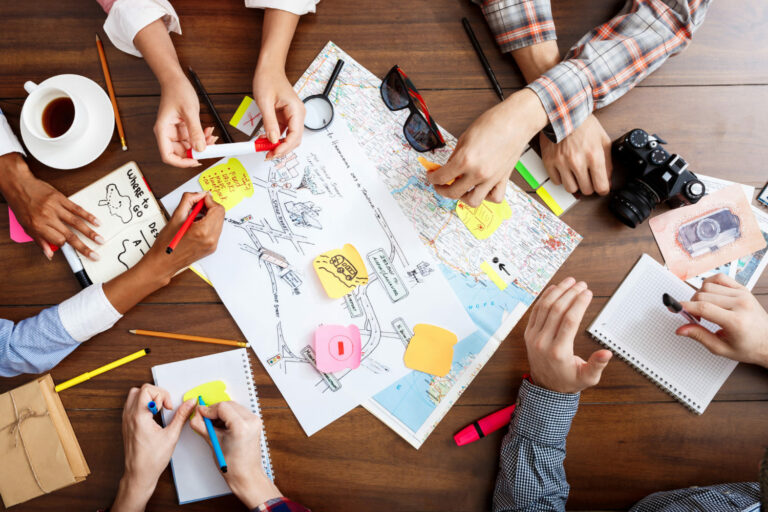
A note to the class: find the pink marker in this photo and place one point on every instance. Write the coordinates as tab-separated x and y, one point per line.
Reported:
235	148
484	426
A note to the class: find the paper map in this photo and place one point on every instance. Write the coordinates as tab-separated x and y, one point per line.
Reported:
526	250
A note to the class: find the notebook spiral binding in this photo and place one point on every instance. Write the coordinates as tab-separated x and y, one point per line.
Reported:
649	374
253	397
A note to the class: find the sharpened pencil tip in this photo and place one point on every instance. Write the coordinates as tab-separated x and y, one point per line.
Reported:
132	331
98	38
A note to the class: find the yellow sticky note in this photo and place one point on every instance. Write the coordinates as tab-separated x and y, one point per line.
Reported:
341	271
549	201
212	392
493	275
485	219
430	350
229	183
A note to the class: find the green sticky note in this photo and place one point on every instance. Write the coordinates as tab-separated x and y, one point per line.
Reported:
527	176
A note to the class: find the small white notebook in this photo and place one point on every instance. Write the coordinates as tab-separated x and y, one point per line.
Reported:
194	470
638	328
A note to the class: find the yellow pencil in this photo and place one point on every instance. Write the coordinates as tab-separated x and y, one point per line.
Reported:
98	371
189	337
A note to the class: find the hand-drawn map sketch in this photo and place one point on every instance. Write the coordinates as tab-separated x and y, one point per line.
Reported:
322	196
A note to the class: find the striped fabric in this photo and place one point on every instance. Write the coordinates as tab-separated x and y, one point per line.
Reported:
532	478
607	62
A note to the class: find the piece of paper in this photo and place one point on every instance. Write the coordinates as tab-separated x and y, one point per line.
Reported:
247	116
712	185
324	195
556	197
718	229
337	347
430	350
340	271
228	182
493	275
532	169
18	234
747	270
212	392
484	220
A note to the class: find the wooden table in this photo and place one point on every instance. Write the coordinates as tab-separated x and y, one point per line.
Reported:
629	439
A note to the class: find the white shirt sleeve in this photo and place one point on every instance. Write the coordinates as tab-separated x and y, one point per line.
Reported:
127	17
299	7
88	313
8	141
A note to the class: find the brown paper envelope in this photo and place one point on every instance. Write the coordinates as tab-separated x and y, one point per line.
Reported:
44	451
64	428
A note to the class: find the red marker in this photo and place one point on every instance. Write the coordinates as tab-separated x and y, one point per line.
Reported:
484	426
185	227
235	148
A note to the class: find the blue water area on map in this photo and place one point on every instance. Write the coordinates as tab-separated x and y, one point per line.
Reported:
413	181
413	398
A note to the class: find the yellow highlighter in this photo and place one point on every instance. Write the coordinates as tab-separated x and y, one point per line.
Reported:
98	371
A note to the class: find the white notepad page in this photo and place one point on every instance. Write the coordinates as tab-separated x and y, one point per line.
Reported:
637	327
194	470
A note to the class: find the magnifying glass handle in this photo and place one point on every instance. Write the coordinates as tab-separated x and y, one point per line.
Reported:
334	76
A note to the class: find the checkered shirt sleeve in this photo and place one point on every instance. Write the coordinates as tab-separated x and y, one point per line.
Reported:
280	504
531	474
518	23
735	497
614	57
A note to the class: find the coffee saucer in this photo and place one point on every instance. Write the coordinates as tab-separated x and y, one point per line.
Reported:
97	135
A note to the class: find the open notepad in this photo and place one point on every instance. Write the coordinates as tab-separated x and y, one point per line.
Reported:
130	217
638	328
194	470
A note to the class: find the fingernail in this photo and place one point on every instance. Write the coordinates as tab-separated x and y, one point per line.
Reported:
581	285
569	281
96	222
98	239
273	136
215	138
199	146
48	253
94	256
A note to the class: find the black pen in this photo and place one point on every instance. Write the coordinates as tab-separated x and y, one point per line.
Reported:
483	60
203	94
76	265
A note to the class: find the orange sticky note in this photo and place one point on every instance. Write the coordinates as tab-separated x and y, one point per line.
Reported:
340	271
485	219
430	350
229	183
431	166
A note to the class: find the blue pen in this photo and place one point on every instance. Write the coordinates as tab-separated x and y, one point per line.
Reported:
214	440
152	406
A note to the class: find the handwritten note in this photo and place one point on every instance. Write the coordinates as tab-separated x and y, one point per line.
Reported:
337	347
485	219
246	117
229	183
340	271
18	234
430	350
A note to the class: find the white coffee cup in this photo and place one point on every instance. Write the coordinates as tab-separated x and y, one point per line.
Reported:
34	106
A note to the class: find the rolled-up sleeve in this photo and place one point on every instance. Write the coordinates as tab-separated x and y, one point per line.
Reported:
8	141
516	24
125	18
299	7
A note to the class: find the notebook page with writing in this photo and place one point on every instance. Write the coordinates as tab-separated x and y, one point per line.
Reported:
637	327
194	470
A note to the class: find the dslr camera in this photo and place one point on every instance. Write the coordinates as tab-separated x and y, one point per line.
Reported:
656	177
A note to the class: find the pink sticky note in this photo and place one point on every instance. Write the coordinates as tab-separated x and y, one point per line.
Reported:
337	347
18	234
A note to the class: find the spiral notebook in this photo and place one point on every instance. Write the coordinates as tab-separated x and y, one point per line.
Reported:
636	326
194	471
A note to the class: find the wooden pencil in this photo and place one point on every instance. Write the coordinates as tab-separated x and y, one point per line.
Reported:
188	337
111	90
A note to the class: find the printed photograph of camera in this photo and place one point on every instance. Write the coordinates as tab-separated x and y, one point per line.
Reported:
709	232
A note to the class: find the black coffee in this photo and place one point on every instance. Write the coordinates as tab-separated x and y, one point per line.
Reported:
58	116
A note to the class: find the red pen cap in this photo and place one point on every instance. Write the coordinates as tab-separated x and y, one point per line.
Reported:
484	426
263	144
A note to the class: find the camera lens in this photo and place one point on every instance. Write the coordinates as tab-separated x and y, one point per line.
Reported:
633	203
707	229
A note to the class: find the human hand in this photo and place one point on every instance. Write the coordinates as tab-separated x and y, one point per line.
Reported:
488	150
148	446
239	432
178	123
46	214
549	336
582	161
199	241
280	108
743	334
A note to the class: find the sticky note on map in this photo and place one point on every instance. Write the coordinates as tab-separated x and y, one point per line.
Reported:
18	234
340	271
212	392
430	350
493	275
431	166
247	116
229	183
485	219
337	347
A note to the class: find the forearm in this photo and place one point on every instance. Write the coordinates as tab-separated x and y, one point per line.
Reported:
14	173
277	34
154	43
131	497
258	490
136	283
537	59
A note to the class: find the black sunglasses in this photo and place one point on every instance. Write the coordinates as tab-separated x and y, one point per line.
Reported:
420	130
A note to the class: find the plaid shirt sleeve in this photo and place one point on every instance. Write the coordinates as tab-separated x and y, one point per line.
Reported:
614	57
280	504
518	23
531	474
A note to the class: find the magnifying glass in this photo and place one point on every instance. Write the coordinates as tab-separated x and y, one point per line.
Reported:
319	107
